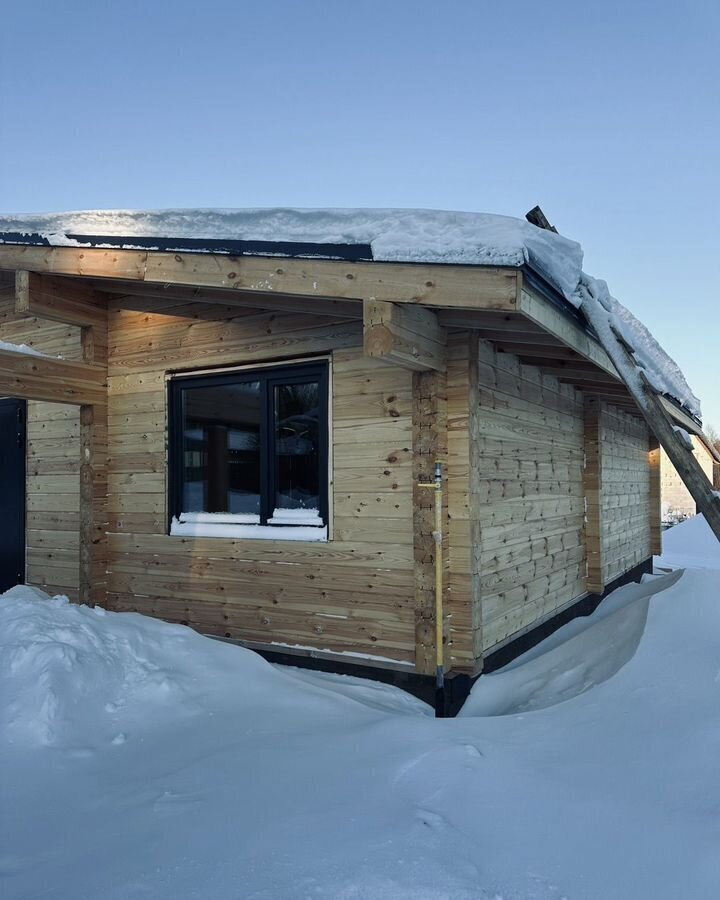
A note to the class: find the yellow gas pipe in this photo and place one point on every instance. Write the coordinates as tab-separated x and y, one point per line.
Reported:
436	486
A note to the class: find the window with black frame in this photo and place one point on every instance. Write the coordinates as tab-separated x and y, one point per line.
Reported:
249	453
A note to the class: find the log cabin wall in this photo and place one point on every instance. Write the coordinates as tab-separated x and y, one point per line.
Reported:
514	442
355	593
626	514
53	459
529	500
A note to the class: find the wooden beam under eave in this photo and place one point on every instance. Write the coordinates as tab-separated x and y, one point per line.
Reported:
58	299
143	295
556	323
575	375
51	380
441	286
407	336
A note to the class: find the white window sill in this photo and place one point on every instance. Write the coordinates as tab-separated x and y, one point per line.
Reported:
247	531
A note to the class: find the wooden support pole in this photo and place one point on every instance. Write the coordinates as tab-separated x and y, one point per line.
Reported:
94	515
654	455
593	487
407	336
93	505
58	300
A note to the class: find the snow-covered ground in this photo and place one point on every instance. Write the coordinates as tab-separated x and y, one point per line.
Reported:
690	543
141	760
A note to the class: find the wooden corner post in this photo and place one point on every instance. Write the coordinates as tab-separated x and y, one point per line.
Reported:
475	499
93	505
429	445
94	518
654	458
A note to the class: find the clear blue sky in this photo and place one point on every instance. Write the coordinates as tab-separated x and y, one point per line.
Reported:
605	113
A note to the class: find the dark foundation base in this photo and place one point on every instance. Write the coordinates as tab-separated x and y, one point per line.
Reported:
458	685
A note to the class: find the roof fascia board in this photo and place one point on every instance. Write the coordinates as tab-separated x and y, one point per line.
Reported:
440	286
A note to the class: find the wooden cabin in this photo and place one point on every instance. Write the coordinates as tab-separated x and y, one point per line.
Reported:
235	442
677	502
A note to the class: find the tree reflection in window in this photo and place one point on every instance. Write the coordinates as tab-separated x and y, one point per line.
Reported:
297	446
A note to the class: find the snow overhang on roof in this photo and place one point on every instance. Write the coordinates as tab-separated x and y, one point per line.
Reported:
379	235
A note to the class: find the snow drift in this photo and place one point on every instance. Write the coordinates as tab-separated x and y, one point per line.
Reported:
577	657
690	543
140	759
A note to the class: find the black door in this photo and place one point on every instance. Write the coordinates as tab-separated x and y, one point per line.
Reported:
12	493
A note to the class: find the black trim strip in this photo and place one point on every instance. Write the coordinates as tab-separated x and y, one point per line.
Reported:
285	249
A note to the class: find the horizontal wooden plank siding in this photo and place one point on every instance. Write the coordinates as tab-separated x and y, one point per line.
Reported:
353	594
529	497
626	497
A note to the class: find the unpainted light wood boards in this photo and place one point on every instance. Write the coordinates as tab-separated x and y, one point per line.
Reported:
352	594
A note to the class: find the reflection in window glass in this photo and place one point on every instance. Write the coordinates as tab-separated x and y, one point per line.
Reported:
221	448
297	469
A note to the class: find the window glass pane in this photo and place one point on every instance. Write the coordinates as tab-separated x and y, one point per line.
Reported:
221	448
297	452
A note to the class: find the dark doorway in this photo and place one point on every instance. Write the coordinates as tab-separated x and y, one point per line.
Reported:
12	493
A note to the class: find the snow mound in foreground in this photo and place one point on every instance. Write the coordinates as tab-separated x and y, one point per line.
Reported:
690	543
239	780
577	657
65	670
68	671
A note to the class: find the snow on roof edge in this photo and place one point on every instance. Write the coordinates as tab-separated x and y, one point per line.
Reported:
395	235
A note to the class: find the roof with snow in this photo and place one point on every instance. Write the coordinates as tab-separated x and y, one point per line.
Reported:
382	235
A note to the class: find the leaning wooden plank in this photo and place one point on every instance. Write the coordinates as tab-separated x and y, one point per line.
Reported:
58	299
652	408
406	336
51	380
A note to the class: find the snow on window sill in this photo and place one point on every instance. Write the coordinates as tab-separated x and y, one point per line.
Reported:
296	517
243	527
